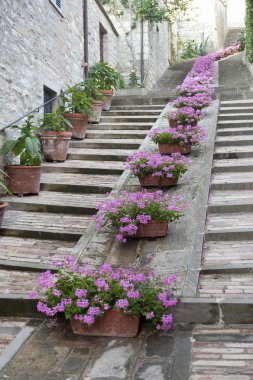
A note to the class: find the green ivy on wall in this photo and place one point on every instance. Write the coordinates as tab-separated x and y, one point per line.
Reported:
249	30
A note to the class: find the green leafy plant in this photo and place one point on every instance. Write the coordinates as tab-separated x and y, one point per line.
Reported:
3	188
201	49
249	30
77	100
55	121
133	79
27	145
92	89
106	77
189	50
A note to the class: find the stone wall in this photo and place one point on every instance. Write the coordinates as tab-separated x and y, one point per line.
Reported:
42	46
205	22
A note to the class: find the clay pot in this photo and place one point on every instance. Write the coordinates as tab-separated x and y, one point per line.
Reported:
152	230
174	123
113	323
3	206
79	123
55	145
96	111
151	181
174	148
24	179
108	99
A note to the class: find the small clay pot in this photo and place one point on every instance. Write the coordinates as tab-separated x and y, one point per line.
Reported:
3	206
174	148
55	145
151	181
152	230
79	124
24	179
113	323
108	99
96	111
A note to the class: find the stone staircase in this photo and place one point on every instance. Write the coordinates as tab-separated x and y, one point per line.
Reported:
40	228
233	36
228	249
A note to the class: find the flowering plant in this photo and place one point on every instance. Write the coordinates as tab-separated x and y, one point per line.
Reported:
86	294
127	210
183	134
144	163
186	115
198	101
228	51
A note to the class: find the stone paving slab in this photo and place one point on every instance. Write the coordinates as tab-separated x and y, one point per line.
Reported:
21	251
227	252
17	282
232	177
79	179
84	164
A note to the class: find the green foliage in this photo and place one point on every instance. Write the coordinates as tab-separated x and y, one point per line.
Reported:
201	49
189	50
149	10
77	100
106	77
27	145
92	89
3	187
55	121
249	30
133	79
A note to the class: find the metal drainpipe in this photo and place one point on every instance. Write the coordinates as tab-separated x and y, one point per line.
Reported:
142	52
85	37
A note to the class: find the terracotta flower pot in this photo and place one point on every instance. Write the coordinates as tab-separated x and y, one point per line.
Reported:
174	123
113	323
151	181
55	145
174	148
152	230
96	111
3	206
24	179
79	123
108	99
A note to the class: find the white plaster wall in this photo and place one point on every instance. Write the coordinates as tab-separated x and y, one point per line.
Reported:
236	13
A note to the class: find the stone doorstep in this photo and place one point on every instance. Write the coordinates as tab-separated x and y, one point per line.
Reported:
197	310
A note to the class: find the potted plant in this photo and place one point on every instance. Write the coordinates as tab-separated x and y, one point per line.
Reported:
25	177
185	115
155	170
77	108
3	190
55	136
97	99
108	79
107	301
180	139
141	214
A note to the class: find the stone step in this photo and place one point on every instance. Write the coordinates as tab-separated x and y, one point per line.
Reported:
119	126
243	109
138	100
228	201
226	253
133	112
78	183
237	103
234	131
117	134
33	253
233	151
232	165
57	202
128	119
235	123
159	107
235	116
234	140
43	225
232	181
226	285
105	144
230	226
84	167
99	154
